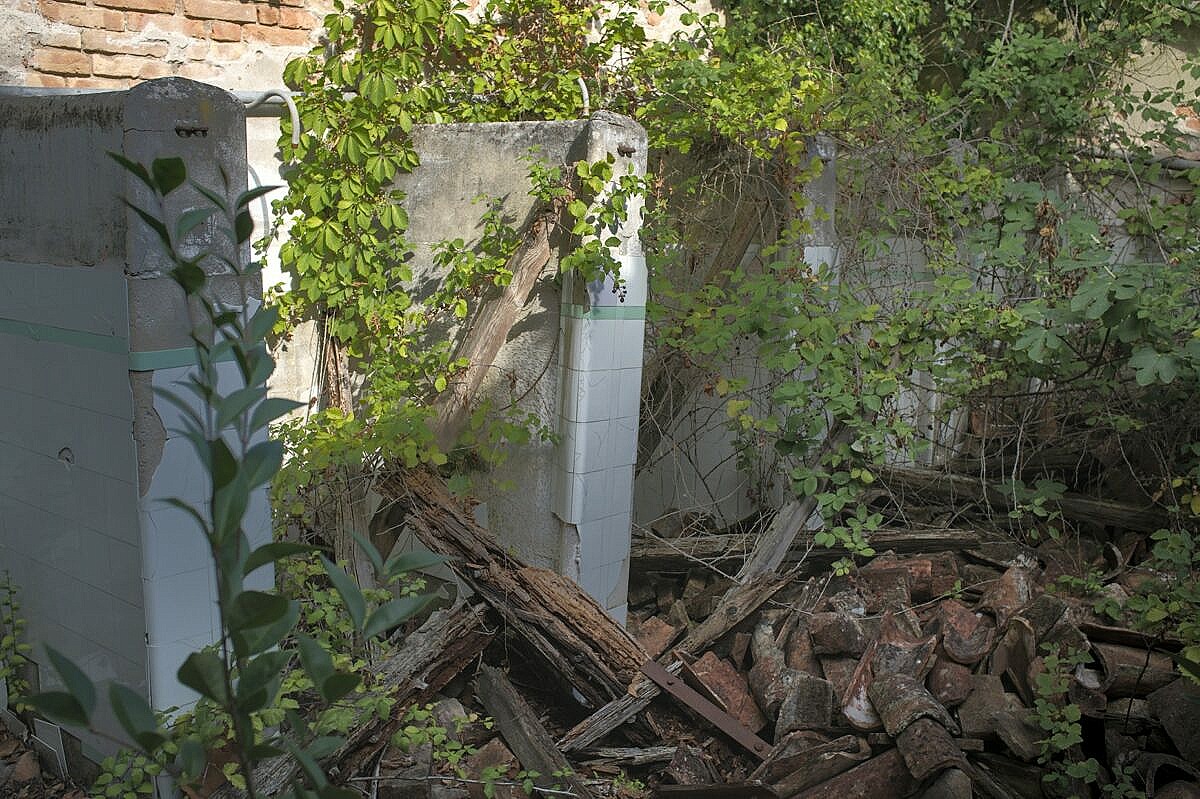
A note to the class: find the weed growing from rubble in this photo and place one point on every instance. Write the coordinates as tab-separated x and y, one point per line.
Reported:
14	650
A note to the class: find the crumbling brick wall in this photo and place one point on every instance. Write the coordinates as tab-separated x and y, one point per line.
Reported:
115	43
235	44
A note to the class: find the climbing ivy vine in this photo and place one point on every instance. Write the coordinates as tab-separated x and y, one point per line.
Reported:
1010	231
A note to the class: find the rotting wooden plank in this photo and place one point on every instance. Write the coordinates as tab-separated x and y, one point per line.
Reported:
628	756
651	553
962	488
588	650
490	330
524	733
735	606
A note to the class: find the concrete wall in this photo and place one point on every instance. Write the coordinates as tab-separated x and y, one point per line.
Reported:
89	324
573	359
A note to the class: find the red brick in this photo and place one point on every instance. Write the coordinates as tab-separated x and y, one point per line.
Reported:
82	17
268	15
224	52
280	36
159	6
115	44
196	51
62	62
229	10
45	81
128	66
98	83
68	39
200	70
168	23
225	31
296	18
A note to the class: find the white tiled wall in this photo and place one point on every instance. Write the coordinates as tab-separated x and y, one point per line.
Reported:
69	533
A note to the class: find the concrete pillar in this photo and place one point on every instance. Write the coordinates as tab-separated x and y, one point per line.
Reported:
820	246
90	325
601	346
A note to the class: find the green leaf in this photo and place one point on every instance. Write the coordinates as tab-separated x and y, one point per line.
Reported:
260	639
154	223
136	717
190	277
243	226
223	465
60	707
231	407
370	550
258	682
269	553
412	561
317	662
204	674
168	173
77	683
134	168
192	757
250	195
325	745
338	685
251	609
393	613
271	409
356	605
262	462
190	219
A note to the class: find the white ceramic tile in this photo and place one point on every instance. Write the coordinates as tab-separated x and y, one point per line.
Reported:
179	607
129	628
588	396
591	544
621	498
592	581
590	344
616	537
619	593
17	364
163	661
627	400
20	418
125	571
628	338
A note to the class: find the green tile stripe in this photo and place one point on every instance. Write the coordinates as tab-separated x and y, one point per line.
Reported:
61	335
634	312
145	361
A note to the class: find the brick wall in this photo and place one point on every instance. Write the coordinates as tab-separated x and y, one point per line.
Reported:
235	44
115	43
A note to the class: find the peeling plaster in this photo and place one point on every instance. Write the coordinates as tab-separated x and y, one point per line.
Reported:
148	429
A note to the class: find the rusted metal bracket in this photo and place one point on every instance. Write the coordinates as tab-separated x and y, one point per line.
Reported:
724	722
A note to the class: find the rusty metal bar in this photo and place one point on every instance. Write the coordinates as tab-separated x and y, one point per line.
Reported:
724	722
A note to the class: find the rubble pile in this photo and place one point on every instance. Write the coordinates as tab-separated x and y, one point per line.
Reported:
943	667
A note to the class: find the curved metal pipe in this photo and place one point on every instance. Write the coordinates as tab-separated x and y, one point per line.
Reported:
251	102
587	98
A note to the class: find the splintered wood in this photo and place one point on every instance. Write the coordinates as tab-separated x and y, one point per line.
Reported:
581	643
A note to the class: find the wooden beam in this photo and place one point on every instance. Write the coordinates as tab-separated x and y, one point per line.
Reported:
489	331
959	488
525	733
